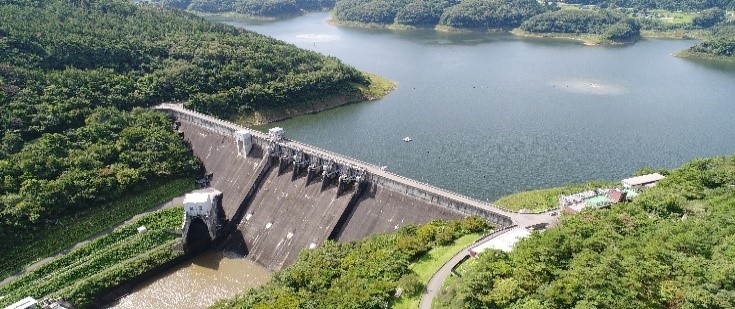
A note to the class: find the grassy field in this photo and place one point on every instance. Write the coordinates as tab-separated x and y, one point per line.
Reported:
543	199
378	88
430	263
44	241
86	273
673	17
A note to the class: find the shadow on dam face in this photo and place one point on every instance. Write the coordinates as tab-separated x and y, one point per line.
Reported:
381	210
286	216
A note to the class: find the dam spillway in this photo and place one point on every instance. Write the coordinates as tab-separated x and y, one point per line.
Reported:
280	197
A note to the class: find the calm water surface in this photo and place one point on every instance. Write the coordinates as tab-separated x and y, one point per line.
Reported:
492	114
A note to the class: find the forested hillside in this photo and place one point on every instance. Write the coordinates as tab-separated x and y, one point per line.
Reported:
720	46
363	274
459	14
610	25
262	8
72	74
672	247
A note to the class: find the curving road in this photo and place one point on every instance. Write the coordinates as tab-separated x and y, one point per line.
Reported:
436	281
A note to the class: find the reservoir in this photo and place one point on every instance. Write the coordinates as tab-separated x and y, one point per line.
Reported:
493	114
488	115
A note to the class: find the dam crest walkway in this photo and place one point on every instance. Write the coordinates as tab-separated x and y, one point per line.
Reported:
375	172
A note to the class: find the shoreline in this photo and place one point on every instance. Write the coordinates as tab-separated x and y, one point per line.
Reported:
379	87
585	39
686	54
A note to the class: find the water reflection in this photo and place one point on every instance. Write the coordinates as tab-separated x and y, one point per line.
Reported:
588	86
197	284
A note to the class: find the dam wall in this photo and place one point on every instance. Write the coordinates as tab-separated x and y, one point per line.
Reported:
230	174
374	174
286	216
281	196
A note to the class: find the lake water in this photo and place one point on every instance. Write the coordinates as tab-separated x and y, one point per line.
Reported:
492	114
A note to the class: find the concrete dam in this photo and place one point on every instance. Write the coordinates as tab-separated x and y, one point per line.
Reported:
280	196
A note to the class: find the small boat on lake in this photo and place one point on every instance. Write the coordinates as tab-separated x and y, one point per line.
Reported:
407	139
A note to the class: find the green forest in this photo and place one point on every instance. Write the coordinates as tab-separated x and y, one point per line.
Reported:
672	247
260	8
87	273
609	24
74	77
457	14
720	46
362	274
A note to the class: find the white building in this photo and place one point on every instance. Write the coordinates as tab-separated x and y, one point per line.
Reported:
200	203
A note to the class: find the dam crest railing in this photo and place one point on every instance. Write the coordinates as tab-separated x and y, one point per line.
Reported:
369	167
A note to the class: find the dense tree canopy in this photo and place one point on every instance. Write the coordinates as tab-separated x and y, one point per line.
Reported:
72	74
362	274
368	11
709	18
264	8
459	14
490	13
612	25
139	55
721	44
423	13
672	247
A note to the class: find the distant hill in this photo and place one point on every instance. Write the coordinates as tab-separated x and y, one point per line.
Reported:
259	8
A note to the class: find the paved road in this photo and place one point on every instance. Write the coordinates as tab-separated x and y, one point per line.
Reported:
436	281
519	219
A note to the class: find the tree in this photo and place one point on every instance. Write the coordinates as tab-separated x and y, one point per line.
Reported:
708	18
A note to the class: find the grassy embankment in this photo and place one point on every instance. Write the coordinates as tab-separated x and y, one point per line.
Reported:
430	263
377	89
87	273
543	199
67	231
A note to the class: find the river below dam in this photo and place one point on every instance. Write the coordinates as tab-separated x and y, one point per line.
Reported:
492	114
196	284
